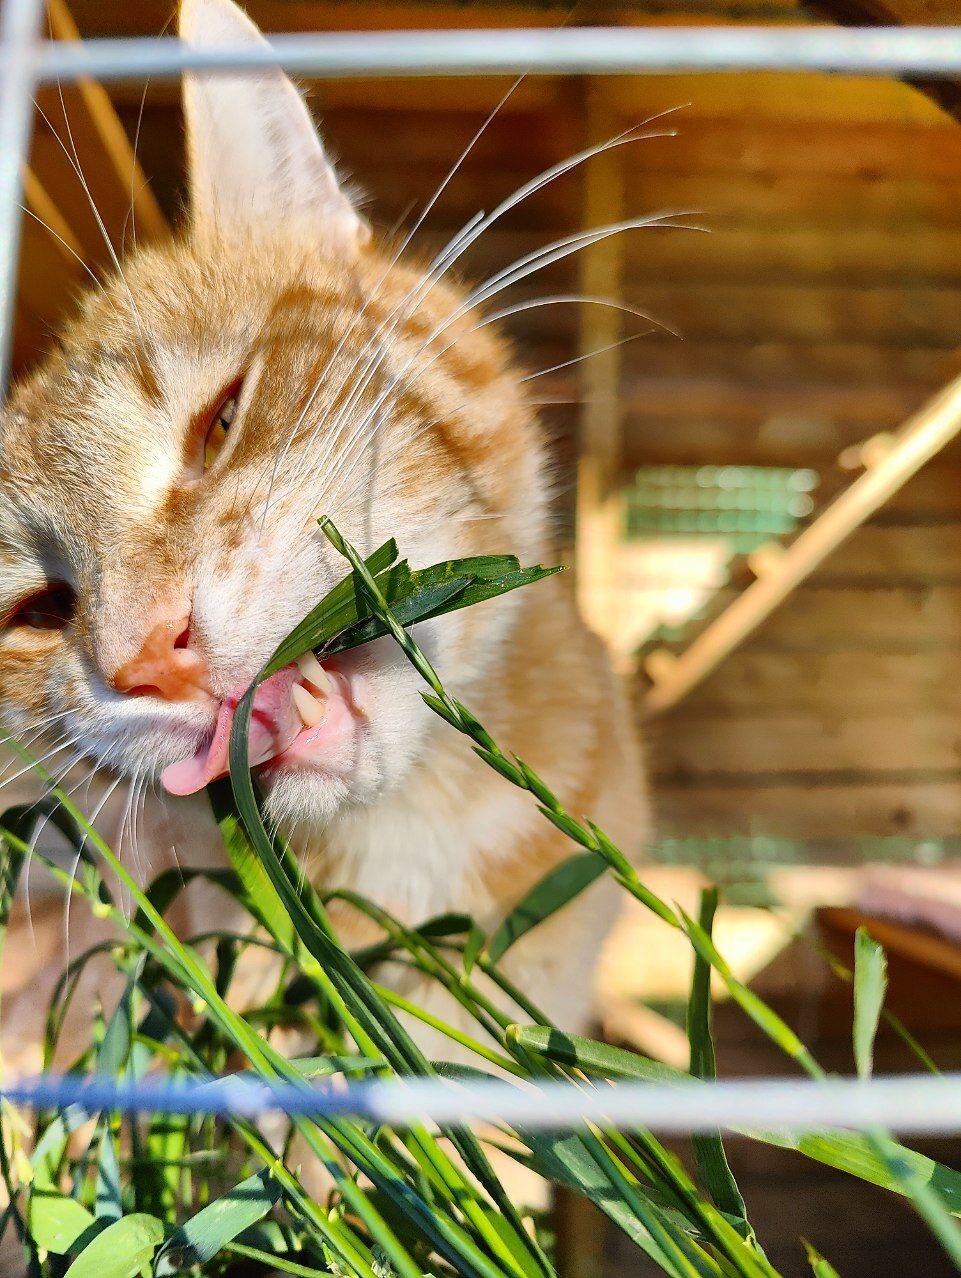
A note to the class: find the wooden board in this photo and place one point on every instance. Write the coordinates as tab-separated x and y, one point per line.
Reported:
915	618
775	683
812	805
696	746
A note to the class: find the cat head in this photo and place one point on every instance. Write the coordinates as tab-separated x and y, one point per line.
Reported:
163	471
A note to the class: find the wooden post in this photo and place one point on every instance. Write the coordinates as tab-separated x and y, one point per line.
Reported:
597	513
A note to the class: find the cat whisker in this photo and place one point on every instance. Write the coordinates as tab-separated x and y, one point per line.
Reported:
569	245
405	243
525	266
54	783
579	359
43	759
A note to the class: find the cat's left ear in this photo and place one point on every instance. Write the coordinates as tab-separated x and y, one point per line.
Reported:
255	160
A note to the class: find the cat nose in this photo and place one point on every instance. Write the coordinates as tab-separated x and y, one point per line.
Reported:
166	665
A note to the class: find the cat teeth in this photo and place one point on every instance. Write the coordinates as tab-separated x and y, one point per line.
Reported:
310	708
314	672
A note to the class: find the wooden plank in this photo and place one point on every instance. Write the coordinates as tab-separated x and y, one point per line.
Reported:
736	143
47	278
597	510
849	363
827	738
897	553
906	942
915	618
46	213
790	437
854	254
775	682
932	496
895	199
749	314
906	315
811	806
53	161
731	401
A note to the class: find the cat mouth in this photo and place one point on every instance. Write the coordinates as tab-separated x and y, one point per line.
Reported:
304	715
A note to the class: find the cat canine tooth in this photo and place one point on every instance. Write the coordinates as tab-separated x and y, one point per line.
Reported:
314	672
312	711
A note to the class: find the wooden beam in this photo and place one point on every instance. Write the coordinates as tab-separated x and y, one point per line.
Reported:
597	509
150	221
46	211
921	438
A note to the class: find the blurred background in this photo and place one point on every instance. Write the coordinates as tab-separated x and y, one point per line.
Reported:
761	354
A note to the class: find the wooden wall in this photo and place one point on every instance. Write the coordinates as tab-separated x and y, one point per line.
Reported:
824	308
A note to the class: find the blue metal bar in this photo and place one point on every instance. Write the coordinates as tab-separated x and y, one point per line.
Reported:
905	1103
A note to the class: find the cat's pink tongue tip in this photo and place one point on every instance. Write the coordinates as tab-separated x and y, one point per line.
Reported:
274	723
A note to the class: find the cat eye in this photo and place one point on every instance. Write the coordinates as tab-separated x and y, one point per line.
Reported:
219	423
49	609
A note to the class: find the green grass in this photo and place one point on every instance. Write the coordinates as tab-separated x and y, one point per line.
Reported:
97	1196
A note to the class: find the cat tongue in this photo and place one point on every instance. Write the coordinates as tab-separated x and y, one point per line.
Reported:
274	723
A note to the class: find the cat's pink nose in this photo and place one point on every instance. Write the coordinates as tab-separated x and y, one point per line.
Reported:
166	666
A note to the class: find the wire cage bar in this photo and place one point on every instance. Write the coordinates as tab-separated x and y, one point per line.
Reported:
882	51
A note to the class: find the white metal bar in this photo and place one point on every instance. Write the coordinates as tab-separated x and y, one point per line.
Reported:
913	51
19	27
922	436
904	1103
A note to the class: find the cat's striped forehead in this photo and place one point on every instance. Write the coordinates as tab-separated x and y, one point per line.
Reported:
326	342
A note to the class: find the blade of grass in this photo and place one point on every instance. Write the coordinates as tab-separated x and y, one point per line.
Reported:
713	1167
870	986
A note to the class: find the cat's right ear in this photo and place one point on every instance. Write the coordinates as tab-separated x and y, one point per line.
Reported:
255	160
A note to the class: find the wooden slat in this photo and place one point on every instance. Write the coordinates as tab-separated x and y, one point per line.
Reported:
823	739
790	437
734	401
812	805
897	554
775	682
736	143
898	618
896	198
597	520
45	210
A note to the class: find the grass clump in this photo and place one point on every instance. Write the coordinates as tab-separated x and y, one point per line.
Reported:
93	1194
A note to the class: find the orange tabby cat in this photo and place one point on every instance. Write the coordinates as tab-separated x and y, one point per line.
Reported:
162	475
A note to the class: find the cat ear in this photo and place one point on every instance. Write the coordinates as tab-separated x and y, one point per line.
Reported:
254	155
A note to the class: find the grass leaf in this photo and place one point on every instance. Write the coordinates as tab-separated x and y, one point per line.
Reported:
712	1165
819	1266
122	1250
546	897
220	1222
56	1221
870	984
